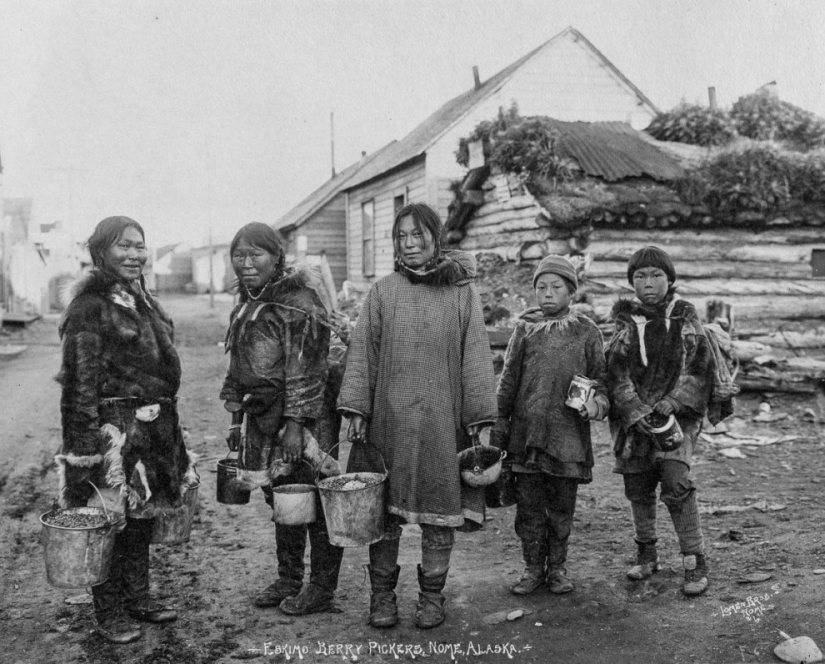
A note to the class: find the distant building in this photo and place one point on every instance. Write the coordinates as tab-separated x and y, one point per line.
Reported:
173	268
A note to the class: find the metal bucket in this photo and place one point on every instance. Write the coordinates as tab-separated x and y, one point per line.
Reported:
78	557
480	465
174	527
355	517
229	490
293	504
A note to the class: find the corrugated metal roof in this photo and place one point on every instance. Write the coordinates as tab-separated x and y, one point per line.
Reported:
614	151
416	143
323	194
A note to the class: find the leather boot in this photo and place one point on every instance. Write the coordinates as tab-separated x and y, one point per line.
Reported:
110	621
383	570
647	561
430	609
290	543
325	563
137	602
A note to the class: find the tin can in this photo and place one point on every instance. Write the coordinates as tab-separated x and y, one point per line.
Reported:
580	391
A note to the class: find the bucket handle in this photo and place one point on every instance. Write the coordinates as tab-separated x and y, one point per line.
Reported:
102	502
327	454
476	440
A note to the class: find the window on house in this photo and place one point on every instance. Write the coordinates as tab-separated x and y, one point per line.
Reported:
368	238
397	203
818	262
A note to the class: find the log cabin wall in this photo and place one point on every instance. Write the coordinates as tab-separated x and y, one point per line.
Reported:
767	274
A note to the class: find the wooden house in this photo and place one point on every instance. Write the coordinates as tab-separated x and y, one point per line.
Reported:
316	226
565	78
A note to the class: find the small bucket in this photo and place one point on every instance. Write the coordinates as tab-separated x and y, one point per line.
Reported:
354	507
480	465
229	490
78	557
293	504
174	527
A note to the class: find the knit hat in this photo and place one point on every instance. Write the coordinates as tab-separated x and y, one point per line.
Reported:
556	265
651	257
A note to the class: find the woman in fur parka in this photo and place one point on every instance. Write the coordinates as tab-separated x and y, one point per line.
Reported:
282	402
120	376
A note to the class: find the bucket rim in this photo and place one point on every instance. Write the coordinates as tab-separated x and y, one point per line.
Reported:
109	523
383	479
298	487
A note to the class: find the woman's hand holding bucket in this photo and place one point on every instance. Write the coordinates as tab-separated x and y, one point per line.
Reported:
357	430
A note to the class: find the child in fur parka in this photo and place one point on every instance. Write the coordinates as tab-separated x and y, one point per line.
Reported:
659	362
549	442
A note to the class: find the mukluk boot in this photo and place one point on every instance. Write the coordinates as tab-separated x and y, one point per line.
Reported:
110	620
557	581
325	563
290	543
535	560
383	572
429	612
647	561
137	602
696	574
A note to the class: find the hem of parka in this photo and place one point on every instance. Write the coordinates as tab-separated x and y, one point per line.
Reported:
107	473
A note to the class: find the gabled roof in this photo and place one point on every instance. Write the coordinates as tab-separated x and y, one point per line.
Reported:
325	193
419	140
614	151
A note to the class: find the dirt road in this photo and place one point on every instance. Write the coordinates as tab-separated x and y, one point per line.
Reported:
763	513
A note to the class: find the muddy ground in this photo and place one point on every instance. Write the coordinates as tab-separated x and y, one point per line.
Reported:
763	513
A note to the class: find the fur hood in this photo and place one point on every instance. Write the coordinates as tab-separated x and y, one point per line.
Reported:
452	268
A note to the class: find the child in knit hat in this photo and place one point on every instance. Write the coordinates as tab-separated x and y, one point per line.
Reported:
659	364
549	442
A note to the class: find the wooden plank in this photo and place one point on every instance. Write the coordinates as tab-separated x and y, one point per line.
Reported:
703	269
752	308
489	240
18	318
735	287
712	236
721	251
503	228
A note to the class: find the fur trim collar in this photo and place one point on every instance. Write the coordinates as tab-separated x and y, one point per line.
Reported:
534	321
625	309
453	268
294	278
104	284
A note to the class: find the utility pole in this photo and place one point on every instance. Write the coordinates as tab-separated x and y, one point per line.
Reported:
332	139
211	272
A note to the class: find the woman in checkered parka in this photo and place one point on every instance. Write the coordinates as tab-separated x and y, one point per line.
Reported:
419	379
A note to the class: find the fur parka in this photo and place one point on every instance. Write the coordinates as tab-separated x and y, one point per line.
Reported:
278	348
656	353
118	357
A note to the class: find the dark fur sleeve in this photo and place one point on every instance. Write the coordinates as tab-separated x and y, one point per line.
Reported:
510	378
81	377
306	346
692	387
625	402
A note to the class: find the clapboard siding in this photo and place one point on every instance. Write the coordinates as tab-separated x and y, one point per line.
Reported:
411	181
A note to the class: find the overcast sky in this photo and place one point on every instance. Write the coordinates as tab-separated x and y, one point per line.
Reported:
186	115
